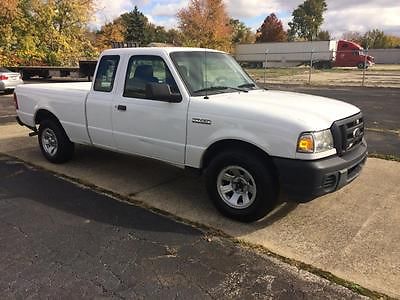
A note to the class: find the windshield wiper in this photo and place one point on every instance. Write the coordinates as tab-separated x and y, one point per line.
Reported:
220	88
247	85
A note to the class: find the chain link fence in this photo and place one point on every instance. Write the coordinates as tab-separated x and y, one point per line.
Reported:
339	68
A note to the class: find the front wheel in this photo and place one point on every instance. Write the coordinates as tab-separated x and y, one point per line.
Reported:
54	142
241	186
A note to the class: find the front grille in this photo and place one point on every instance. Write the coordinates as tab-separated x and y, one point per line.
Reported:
348	133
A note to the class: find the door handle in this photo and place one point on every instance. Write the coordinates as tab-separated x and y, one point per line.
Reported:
121	107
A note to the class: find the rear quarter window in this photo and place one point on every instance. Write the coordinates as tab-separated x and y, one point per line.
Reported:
106	71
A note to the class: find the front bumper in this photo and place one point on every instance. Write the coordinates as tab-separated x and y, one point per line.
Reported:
303	179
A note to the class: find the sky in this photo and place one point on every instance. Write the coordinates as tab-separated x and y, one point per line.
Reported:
341	16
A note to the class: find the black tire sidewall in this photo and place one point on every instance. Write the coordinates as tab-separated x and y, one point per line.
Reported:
258	167
65	147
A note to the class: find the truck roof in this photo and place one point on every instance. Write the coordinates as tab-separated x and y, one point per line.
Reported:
154	50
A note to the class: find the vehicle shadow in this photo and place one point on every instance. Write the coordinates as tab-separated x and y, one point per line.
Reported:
22	183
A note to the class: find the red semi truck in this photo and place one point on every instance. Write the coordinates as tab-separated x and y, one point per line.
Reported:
322	54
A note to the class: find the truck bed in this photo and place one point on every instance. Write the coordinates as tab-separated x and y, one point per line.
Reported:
65	100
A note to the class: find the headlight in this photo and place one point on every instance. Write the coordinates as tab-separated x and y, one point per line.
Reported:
315	142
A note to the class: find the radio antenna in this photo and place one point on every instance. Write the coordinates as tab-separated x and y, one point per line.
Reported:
205	73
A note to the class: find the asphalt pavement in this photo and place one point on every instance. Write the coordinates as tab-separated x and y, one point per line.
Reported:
61	240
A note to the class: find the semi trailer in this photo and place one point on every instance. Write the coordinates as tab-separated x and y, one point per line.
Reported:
321	54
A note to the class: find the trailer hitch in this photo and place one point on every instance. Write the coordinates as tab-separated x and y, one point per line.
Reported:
33	128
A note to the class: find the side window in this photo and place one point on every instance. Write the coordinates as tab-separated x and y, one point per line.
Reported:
146	69
105	75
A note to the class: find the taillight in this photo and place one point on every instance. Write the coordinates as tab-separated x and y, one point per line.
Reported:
16	101
3	77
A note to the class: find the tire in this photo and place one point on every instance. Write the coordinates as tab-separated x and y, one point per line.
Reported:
317	65
361	66
54	142
246	174
327	65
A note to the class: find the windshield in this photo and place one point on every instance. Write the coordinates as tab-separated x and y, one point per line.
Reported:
4	70
211	73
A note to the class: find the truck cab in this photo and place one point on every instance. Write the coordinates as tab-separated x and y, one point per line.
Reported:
350	54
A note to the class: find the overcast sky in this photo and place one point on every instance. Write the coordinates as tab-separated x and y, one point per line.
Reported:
342	15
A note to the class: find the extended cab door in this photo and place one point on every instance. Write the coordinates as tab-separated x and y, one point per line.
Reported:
99	102
146	126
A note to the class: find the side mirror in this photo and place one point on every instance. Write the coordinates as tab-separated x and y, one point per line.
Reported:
161	92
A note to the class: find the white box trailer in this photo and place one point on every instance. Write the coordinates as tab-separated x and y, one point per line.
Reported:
286	54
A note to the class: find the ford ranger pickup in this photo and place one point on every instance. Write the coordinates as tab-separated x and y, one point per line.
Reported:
197	108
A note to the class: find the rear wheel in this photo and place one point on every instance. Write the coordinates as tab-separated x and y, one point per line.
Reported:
241	185
54	142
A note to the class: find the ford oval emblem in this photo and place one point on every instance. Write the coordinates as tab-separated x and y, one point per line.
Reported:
356	133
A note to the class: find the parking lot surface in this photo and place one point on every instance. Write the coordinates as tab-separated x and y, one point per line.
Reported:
59	240
351	233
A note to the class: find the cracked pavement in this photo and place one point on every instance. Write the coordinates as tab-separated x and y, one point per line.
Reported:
61	240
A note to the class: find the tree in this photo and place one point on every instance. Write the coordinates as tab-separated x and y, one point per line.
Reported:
271	30
9	11
175	37
45	32
353	36
324	35
307	20
394	41
241	34
134	27
205	23
137	28
110	32
375	39
135	23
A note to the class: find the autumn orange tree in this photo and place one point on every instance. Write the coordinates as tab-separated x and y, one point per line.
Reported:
271	30
110	32
205	23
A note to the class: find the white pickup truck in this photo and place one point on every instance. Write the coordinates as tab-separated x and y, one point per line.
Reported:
197	108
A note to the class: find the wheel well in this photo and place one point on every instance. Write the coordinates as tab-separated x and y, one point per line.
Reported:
43	114
223	145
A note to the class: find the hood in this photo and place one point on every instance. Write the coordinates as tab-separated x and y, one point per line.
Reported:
307	111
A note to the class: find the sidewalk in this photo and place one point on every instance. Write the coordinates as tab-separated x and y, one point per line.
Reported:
353	233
